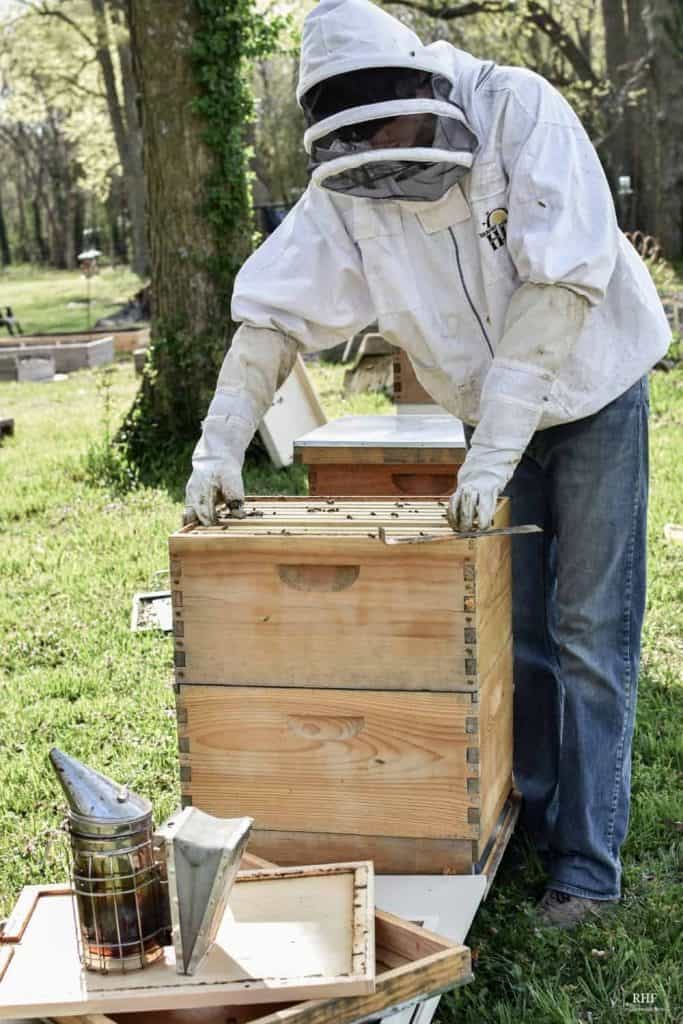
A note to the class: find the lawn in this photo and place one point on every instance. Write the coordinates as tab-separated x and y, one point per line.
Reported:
46	300
73	675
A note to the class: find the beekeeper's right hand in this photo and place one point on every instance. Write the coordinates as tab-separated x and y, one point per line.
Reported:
258	363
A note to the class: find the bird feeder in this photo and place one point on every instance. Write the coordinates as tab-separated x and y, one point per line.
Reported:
87	261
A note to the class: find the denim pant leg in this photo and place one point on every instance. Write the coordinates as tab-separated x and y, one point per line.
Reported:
538	689
598	469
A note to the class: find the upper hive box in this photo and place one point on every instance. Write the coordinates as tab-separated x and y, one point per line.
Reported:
304	593
400	456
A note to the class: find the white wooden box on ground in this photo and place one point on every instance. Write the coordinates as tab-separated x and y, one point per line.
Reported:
295	410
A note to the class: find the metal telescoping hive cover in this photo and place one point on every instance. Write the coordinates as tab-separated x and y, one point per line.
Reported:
202	856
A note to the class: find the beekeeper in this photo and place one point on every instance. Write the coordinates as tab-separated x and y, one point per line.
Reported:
462	206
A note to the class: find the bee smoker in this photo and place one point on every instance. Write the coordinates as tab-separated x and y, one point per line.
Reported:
121	916
137	891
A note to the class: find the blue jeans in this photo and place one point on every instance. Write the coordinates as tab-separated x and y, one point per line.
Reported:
578	604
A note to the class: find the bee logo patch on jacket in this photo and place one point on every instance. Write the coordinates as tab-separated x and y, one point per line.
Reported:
495	227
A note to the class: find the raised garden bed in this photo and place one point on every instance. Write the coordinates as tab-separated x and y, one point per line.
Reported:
126	339
68	355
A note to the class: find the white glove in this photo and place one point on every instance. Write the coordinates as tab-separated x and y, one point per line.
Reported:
217	466
481	479
541	328
257	364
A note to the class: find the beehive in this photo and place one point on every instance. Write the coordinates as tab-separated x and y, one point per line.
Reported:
349	694
400	456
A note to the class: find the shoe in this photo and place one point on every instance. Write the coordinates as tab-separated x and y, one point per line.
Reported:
561	910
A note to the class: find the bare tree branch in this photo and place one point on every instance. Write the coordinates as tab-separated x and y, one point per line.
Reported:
44	11
534	13
614	103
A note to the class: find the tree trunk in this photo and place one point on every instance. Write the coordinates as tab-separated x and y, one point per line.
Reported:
136	181
115	210
616	153
664	24
5	254
127	145
25	244
40	243
79	221
190	294
177	163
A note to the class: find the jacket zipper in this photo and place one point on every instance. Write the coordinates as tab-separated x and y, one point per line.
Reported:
464	288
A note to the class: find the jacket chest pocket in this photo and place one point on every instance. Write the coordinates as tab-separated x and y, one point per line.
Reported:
378	231
489	201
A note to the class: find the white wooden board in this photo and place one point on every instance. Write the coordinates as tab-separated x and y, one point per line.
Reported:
419	431
295	410
288	935
445	904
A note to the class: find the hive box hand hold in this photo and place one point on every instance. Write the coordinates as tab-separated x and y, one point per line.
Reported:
354	696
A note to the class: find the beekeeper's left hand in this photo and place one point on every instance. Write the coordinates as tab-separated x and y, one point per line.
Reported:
483	475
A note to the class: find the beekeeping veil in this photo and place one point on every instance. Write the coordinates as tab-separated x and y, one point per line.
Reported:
376	101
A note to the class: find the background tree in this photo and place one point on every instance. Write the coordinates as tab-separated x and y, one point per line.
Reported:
619	63
70	139
279	160
191	67
124	118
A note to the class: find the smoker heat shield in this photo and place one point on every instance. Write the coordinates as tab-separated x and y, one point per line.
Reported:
202	856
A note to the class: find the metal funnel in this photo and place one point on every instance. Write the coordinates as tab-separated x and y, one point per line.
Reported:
202	856
96	802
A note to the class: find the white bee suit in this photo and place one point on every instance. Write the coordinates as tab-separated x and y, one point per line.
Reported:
517	298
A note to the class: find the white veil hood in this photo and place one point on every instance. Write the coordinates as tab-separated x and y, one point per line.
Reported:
341	37
346	35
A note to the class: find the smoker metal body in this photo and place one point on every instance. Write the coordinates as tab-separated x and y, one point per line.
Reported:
121	921
122	924
136	890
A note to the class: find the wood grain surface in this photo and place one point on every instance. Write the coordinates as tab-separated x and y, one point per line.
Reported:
297	932
354	478
424	963
368	762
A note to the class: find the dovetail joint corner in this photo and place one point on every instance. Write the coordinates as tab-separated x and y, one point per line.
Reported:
185	773
184	744
472	755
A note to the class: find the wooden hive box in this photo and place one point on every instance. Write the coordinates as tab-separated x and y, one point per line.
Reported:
407	388
383	455
354	697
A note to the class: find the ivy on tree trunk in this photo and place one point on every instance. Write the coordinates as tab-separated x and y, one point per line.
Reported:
191	68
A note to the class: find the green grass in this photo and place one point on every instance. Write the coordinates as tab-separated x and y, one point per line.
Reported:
54	300
72	674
